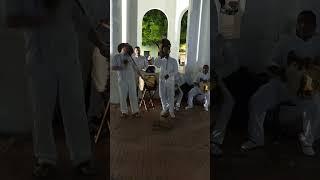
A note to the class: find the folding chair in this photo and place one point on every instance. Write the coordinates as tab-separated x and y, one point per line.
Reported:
103	120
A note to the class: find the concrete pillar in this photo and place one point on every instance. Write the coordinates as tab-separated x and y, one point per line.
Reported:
192	38
115	39
132	22
204	42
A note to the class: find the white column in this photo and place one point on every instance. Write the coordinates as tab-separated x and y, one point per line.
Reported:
204	35
192	38
115	39
173	36
132	21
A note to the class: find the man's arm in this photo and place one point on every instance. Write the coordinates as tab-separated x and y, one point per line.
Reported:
175	69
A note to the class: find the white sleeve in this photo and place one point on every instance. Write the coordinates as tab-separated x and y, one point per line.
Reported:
175	68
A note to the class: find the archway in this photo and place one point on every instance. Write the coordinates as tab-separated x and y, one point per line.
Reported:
154	28
183	39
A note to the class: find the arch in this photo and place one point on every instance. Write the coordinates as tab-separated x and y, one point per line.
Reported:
151	33
182	54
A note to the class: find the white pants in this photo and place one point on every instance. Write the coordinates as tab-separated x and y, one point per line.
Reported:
54	70
166	92
127	87
273	93
222	115
197	91
178	98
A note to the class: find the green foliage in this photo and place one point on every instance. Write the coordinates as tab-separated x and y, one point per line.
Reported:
184	24
154	27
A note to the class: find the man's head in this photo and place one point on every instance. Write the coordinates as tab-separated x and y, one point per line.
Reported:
205	69
149	60
164	48
306	24
137	50
125	48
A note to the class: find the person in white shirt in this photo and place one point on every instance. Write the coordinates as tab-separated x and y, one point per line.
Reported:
99	85
141	63
53	69
123	64
202	77
168	70
304	45
225	63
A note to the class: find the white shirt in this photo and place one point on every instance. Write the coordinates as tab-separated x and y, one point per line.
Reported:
225	61
167	67
100	70
128	73
302	49
140	62
201	75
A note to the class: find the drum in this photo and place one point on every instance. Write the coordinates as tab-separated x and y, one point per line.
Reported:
204	86
150	81
310	82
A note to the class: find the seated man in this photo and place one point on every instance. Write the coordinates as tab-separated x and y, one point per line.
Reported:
203	77
303	46
178	95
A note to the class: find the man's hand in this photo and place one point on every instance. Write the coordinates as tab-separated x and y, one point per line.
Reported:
166	76
125	62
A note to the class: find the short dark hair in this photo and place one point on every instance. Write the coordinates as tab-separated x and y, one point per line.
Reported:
310	14
137	47
206	65
120	46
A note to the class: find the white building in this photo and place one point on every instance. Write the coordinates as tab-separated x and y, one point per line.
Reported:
126	26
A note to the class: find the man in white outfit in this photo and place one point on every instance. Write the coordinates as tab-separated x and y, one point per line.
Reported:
123	64
304	45
168	70
53	68
202	77
225	64
141	65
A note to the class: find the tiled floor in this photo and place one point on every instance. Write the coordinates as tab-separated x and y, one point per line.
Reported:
139	152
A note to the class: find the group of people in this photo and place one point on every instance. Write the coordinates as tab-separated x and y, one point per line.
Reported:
302	47
131	66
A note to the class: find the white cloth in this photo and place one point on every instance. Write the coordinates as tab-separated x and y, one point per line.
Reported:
100	70
178	95
53	69
126	82
276	91
225	61
166	86
140	62
197	91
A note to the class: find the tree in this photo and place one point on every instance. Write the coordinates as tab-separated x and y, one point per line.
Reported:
154	27
184	24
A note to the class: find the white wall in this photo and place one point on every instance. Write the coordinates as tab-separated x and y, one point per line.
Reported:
174	10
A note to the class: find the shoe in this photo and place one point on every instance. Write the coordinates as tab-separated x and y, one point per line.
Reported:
188	107
164	113
249	145
216	150
124	115
136	115
42	170
86	169
172	115
206	109
306	149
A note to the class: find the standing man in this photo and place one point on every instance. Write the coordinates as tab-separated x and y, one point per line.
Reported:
123	64
168	71
203	77
141	65
54	70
